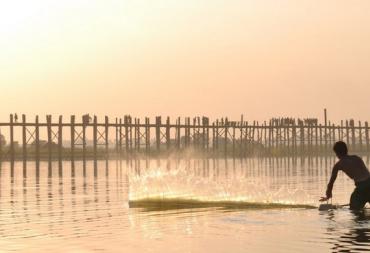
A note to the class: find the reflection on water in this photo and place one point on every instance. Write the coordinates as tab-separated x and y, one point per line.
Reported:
350	230
56	201
84	207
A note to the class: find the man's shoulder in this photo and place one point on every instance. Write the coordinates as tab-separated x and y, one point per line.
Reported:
348	160
354	157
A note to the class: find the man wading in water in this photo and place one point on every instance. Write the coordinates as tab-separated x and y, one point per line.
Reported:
356	169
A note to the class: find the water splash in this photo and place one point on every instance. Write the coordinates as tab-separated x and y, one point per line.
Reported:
187	186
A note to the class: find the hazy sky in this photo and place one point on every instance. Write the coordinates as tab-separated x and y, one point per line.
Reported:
258	58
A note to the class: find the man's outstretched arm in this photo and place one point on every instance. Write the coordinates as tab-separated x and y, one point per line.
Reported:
329	189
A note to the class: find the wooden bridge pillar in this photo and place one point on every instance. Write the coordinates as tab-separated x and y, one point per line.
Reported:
360	135
308	126
85	122
216	135
195	135
213	137
339	133
226	126
120	137
138	135
73	118
353	133
205	135
168	134
272	136
265	128
178	133
241	126
253	135
125	121
11	132
37	139
158	133
277	134
190	138
117	136
95	137
347	133
147	135
24	138
187	133
270	129
233	134
106	137
48	123
334	136
130	133
302	139
60	138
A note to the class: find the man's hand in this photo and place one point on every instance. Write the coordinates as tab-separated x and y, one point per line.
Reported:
322	199
328	196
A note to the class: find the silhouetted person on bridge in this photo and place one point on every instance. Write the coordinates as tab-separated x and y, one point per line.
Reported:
356	169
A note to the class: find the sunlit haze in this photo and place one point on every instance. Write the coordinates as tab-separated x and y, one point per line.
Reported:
185	58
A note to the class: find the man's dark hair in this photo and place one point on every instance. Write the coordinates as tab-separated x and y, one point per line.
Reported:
340	148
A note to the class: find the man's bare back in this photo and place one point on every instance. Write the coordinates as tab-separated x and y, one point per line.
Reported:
354	167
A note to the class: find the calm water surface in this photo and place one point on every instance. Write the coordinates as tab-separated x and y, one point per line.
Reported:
85	207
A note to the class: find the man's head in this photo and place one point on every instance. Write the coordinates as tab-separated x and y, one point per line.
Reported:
340	149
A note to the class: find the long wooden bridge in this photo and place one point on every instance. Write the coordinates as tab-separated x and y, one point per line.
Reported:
128	136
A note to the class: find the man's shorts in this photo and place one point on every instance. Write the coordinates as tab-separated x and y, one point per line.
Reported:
360	196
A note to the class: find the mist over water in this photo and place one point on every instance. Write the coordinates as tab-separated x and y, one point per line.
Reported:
84	207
